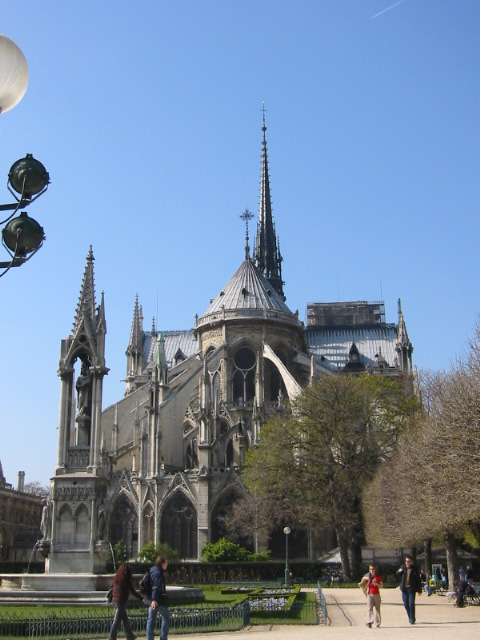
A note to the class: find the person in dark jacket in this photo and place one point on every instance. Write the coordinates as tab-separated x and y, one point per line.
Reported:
463	589
410	585
159	600
122	587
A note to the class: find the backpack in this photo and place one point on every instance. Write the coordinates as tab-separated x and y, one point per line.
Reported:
145	586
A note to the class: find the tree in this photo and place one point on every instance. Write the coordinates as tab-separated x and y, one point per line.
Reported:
36	488
313	464
250	520
431	486
120	552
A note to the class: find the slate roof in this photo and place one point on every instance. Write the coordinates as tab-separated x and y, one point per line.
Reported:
178	345
334	344
247	289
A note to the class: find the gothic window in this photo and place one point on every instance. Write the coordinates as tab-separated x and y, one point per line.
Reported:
275	384
189	458
219	519
124	524
148	523
191	455
216	389
275	387
195	453
229	454
179	525
244	375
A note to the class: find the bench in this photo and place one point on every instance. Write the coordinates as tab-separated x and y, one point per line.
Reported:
471	598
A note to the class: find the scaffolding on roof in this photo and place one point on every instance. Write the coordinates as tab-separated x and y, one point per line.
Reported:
345	314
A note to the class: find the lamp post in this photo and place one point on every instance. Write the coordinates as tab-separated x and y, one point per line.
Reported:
22	236
286	531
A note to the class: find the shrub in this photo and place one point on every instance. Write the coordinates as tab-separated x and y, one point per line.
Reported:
225	551
150	551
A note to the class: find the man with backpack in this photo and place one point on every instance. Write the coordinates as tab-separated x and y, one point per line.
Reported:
157	600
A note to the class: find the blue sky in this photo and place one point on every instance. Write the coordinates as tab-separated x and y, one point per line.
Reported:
148	117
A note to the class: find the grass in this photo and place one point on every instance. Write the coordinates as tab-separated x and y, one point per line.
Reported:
213	596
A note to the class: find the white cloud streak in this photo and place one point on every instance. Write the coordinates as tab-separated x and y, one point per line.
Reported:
392	6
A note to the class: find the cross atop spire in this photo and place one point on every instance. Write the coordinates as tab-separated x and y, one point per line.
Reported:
246	215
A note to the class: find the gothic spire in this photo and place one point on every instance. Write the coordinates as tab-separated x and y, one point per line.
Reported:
136	332
85	312
267	256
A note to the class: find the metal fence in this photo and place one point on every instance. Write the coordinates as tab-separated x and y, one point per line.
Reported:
80	625
72	624
323	604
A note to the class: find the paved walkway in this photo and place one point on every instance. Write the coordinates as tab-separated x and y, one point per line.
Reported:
346	609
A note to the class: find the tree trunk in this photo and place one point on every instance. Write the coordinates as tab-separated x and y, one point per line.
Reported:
357	560
452	557
428	557
343	545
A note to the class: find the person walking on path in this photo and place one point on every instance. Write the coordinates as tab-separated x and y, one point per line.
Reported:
410	585
122	586
159	600
370	585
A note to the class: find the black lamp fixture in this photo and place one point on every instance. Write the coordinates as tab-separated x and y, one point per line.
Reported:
28	179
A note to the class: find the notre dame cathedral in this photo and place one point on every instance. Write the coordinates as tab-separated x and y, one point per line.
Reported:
164	462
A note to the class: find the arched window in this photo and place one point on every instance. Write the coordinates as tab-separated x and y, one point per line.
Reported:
244	375
179	525
229	454
219	520
189	458
216	387
124	525
148	523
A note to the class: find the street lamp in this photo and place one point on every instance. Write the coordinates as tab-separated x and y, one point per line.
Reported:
286	531
22	236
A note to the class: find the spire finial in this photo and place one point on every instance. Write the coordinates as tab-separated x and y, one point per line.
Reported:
264	127
246	215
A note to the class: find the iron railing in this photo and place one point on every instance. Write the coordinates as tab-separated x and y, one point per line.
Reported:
323	604
81	625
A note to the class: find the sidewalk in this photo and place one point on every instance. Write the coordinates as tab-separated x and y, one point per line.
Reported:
346	610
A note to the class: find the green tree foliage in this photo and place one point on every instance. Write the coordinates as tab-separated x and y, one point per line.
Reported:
120	552
226	551
151	551
312	465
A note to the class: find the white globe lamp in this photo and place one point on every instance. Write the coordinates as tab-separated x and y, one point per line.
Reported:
13	74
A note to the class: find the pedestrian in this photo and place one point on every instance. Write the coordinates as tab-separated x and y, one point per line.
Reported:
410	585
371	583
121	587
469	574
159	600
444	583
